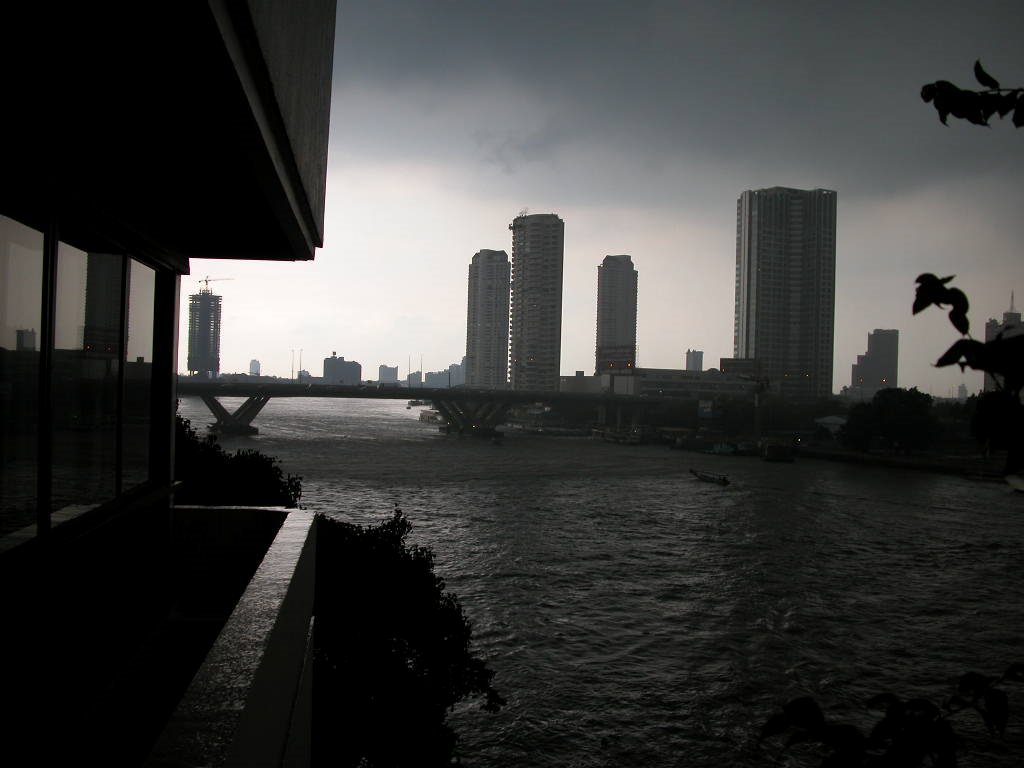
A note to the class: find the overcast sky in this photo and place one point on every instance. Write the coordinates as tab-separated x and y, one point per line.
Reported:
640	123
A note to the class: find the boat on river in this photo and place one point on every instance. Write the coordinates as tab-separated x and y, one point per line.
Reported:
709	477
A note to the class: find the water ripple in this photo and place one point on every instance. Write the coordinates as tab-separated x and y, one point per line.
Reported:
634	616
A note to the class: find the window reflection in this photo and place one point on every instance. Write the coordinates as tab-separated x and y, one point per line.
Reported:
138	374
86	359
21	281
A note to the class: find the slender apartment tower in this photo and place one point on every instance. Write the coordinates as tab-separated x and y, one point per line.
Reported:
785	287
204	333
616	315
487	321
538	242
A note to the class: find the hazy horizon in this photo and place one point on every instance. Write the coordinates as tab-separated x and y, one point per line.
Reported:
640	125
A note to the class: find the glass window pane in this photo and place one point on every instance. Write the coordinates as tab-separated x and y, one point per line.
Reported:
138	374
87	355
21	290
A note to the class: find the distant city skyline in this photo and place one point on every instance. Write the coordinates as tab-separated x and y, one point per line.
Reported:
436	144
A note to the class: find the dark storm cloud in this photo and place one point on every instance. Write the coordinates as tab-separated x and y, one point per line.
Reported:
786	90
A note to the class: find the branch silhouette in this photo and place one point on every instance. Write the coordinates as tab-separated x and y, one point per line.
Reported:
975	106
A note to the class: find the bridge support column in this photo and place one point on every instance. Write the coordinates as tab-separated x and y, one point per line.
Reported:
240	421
477	418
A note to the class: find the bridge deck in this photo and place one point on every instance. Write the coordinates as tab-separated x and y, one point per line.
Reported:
191	387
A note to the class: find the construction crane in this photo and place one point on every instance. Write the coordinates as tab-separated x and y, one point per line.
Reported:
209	280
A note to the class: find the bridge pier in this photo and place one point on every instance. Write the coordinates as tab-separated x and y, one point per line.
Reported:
474	417
240	421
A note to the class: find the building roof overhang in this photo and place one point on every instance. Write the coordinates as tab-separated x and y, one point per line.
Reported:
190	130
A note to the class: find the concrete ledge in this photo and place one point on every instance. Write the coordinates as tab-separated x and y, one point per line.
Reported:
247	705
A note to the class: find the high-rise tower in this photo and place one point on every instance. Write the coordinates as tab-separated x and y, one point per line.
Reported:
487	321
1010	326
204	333
785	287
616	314
536	306
101	334
878	369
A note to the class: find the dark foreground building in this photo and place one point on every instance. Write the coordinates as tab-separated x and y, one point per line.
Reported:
135	137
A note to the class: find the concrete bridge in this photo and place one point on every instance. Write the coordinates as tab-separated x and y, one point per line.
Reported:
467	411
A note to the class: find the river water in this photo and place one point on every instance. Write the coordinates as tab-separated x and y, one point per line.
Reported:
636	616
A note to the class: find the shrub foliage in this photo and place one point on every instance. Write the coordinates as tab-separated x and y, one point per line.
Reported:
393	650
210	475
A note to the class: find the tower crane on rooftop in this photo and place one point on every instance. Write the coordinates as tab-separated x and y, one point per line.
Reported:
209	280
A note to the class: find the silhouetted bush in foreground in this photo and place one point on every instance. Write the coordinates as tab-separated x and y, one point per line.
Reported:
911	733
211	475
393	651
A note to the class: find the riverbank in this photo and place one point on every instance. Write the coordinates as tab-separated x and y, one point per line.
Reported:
960	461
989	468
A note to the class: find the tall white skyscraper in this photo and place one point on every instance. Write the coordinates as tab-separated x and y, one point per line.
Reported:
538	241
616	315
487	321
785	287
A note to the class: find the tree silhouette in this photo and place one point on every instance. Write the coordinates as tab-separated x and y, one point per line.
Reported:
393	651
900	419
912	732
210	475
977	106
999	421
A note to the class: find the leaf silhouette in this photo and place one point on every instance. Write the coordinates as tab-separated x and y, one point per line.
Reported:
959	321
984	77
844	738
922	708
973	684
776	724
883	701
1014	673
800	737
958	300
804	712
964	352
1006	102
997	710
931	290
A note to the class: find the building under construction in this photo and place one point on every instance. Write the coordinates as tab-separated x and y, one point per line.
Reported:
204	334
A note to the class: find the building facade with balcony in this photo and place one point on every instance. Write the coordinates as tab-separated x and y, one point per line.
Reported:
785	287
535	339
487	320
